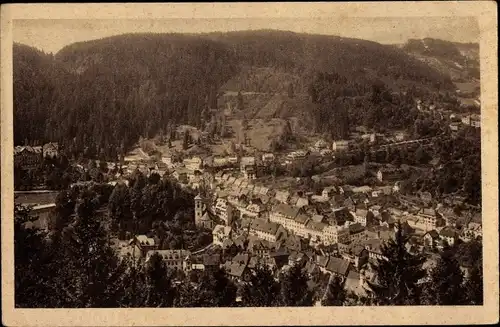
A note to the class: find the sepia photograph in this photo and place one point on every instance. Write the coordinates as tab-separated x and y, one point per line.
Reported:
246	162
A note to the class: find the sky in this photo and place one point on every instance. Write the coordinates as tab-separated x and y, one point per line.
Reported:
51	35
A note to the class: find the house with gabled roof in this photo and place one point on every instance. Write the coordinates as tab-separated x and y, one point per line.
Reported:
284	214
265	230
282	196
237	267
338	267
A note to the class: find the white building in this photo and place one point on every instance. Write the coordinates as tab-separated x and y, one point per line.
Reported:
268	157
264	230
174	259
335	234
341	145
194	163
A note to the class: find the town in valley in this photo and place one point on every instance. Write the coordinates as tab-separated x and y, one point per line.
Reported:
245	169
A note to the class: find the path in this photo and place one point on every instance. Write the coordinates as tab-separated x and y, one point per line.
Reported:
204	249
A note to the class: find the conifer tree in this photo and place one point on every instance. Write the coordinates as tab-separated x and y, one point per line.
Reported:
159	289
398	274
474	285
262	290
335	295
294	289
446	282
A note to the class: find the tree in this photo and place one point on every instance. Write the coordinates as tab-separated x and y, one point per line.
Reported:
421	157
159	289
294	289
90	257
261	290
214	289
398	274
336	295
185	141
474	285
31	283
446	281
240	101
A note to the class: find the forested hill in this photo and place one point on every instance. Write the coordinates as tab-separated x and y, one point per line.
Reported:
308	53
100	96
459	60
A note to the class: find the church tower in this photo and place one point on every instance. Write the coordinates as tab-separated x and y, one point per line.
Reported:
198	210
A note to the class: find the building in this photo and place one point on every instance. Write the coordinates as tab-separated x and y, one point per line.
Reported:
341	145
430	218
253	210
236	268
374	248
220	234
360	216
27	157
400	136
202	217
267	158
265	230
454	126
174	259
250	173
314	230
390	174
297	155
282	196
376	210
194	163
335	234
356	254
320	144
44	214
51	150
431	238
182	175
473	120
356	232
284	214
144	244
328	192
224	210
448	234
362	189
338	267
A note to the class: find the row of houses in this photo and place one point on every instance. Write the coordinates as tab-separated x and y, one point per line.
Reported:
30	156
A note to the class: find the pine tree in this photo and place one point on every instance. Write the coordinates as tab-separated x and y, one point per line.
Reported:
160	292
294	289
90	257
398	274
214	290
241	102
474	285
446	282
185	141
335	295
262	290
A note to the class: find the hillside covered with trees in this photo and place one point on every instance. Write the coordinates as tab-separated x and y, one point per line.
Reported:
98	97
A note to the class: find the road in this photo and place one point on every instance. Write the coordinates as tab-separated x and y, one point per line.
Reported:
204	249
144	154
